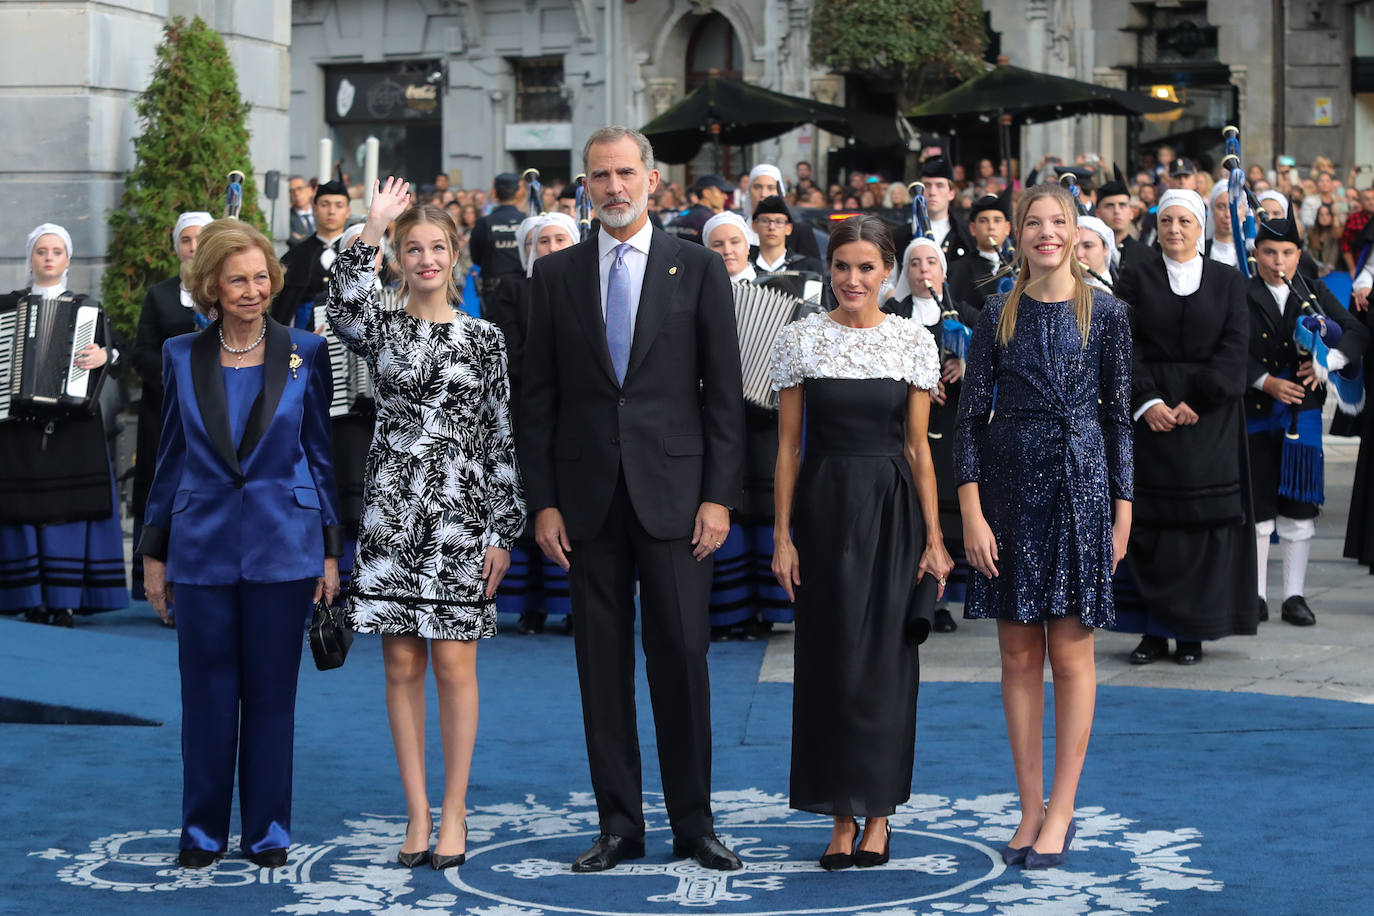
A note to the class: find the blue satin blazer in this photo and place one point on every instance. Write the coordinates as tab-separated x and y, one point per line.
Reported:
266	512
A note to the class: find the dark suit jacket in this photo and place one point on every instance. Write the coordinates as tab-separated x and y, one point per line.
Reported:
267	511
1271	341
676	426
305	279
970	279
162	318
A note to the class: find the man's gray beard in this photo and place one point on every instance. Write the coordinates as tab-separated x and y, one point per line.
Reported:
637	208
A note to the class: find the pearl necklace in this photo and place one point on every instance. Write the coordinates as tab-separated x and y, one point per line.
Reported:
239	353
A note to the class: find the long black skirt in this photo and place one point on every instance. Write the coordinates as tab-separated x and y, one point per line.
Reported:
859	537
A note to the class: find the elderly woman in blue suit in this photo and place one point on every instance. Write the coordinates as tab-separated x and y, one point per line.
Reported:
243	518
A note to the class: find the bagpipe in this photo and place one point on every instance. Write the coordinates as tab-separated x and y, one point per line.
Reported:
1070	181
233	206
920	216
1315	336
582	207
954	334
1242	232
534	192
1008	269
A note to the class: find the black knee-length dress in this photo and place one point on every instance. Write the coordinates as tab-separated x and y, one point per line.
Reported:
859	535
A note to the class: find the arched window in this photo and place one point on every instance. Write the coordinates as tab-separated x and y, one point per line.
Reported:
713	46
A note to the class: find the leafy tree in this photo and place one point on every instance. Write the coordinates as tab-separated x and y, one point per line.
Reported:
193	134
905	43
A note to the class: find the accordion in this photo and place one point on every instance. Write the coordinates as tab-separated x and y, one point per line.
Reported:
761	311
352	380
39	339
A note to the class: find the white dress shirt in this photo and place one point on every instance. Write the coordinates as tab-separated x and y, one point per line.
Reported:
939	228
636	260
775	266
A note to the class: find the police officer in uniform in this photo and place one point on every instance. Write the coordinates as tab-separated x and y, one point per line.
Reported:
492	242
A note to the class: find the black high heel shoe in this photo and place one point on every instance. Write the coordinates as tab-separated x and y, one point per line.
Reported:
439	863
414	859
864	858
836	861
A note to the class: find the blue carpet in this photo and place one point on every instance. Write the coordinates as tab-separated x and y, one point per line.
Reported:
1192	802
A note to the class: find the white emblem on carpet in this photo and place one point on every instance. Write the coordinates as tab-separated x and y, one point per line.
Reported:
945	860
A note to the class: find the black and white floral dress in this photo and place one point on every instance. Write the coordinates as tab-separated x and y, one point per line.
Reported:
442	482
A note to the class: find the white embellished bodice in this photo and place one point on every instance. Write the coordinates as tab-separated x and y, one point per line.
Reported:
819	347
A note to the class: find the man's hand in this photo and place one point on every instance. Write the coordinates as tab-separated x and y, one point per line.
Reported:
1360	298
1307	375
712	526
552	537
1160	419
1185	415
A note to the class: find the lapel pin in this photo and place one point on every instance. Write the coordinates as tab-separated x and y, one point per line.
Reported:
672	271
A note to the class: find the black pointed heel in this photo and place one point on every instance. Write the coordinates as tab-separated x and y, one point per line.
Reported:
864	858
439	863
837	861
415	859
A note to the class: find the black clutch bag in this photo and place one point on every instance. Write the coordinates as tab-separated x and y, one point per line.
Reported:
330	636
920	610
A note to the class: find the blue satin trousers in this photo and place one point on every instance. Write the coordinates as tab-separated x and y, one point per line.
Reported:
239	649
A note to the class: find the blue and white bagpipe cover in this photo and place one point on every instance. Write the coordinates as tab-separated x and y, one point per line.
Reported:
1320	336
954	335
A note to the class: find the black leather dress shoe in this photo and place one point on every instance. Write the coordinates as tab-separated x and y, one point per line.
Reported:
1263	610
708	851
607	852
1189	653
1150	649
196	858
531	623
63	617
1296	612
268	858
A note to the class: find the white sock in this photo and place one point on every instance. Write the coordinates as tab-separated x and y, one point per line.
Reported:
1262	563
1295	555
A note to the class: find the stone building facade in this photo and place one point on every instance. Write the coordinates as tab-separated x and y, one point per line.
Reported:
69	73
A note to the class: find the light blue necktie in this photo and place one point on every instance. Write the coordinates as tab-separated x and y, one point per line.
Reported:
618	312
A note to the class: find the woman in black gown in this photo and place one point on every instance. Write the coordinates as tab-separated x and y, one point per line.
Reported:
921	293
1043	449
1190	570
860	516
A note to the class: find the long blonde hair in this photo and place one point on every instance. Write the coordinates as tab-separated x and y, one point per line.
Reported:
1082	292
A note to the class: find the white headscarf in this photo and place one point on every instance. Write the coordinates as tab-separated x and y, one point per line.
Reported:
902	287
730	218
1275	195
544	221
189	218
34	236
1094	224
775	173
1190	201
1219	189
522	235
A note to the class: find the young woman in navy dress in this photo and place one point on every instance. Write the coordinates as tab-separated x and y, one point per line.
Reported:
1044	457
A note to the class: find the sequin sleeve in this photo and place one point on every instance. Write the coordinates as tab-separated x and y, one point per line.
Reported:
924	371
353	310
1115	378
785	366
976	395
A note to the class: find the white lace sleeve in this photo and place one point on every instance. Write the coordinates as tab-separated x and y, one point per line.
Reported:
785	367
923	370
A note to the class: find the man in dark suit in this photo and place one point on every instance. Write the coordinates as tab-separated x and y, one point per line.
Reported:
310	262
973	277
632	447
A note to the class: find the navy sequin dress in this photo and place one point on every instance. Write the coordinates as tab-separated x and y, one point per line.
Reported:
1045	431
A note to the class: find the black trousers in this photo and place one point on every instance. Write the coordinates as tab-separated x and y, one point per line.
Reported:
674	593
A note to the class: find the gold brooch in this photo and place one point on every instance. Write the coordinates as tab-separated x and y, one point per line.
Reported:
295	363
672	271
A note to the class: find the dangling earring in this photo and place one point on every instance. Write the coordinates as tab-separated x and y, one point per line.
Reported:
212	313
